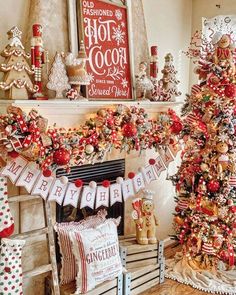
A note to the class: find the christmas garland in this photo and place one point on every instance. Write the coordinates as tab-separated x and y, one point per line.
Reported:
123	129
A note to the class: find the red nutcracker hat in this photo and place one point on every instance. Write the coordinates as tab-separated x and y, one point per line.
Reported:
37	30
154	50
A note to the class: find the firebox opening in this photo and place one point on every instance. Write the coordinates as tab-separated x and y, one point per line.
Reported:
98	172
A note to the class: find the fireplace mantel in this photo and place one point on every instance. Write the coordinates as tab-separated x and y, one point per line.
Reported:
55	109
69	114
71	105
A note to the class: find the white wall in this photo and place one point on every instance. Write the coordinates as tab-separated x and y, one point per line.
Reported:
168	25
208	9
12	13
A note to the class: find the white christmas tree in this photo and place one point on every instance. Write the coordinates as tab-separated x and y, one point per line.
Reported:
58	80
169	80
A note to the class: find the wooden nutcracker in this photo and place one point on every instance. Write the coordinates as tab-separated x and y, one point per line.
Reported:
156	91
37	60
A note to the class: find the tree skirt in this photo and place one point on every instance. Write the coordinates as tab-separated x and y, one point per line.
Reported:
182	270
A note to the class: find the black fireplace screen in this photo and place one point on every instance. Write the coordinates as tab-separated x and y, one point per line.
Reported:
108	170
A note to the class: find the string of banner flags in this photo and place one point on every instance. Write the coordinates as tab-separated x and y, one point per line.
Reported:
26	174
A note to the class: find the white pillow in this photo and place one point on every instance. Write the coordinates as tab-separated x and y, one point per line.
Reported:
96	251
68	266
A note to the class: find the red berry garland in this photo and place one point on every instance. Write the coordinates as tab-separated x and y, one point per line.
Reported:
131	175
79	183
106	183
47	173
152	161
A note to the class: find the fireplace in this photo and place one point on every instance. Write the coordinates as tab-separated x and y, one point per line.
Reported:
98	172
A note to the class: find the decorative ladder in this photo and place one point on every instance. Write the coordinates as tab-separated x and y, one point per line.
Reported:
48	230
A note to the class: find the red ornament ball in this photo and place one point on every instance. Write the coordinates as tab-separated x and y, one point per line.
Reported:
224	255
47	173
13	154
129	130
131	175
61	157
79	183
106	183
213	186
230	91
176	127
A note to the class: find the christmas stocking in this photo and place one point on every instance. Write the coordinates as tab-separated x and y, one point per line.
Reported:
10	267
6	220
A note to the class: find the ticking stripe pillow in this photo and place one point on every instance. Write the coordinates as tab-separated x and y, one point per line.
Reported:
97	254
69	270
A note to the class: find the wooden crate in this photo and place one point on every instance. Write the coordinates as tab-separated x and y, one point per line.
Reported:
141	279
113	287
134	255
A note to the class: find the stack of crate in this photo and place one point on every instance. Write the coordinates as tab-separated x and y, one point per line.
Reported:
145	265
113	287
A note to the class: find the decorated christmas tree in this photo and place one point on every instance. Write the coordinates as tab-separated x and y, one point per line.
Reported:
169	81
16	79
58	80
205	214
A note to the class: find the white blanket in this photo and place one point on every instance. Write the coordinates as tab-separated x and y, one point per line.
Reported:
182	270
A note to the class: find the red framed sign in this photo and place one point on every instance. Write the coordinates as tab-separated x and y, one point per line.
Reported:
105	31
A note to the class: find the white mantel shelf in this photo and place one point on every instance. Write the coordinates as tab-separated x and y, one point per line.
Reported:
67	105
66	113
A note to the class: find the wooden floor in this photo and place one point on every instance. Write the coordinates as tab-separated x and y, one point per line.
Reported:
171	287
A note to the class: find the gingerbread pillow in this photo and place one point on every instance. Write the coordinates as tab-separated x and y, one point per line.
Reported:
68	266
97	255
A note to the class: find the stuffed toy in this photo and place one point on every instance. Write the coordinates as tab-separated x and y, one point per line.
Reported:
223	159
145	219
223	55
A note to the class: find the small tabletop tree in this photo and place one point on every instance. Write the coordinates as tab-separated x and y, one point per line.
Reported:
16	79
58	80
169	81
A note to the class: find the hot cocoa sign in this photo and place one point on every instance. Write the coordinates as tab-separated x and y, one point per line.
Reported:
107	47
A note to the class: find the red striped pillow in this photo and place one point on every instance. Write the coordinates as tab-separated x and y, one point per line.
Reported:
97	254
68	265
